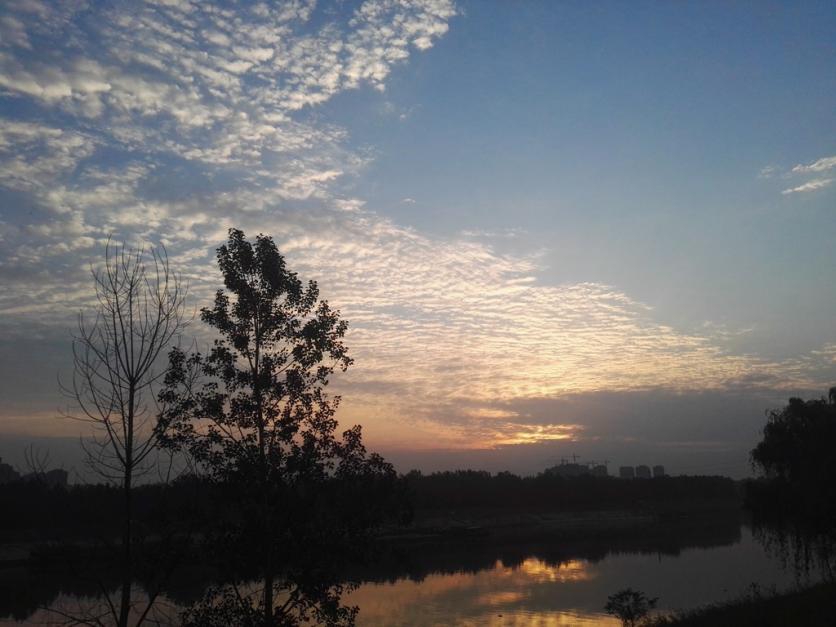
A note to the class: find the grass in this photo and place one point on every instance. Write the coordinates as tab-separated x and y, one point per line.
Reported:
811	607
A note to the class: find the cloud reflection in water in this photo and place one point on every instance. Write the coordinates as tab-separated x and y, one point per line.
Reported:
526	595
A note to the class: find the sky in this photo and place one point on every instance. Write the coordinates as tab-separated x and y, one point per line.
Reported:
555	228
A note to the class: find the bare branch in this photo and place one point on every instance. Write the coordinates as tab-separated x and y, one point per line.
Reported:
140	309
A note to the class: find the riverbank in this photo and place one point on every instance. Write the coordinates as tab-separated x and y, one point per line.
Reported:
812	607
436	532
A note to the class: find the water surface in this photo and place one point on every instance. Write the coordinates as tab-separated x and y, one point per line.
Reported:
549	583
538	591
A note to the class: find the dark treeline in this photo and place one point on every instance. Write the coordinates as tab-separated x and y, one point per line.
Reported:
40	513
37	512
506	491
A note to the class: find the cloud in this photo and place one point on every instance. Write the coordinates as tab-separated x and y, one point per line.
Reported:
34	155
822	165
170	122
809	186
443	330
767	172
507	233
162	127
207	83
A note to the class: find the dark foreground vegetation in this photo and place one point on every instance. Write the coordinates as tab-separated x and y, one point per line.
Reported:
812	607
473	490
45	515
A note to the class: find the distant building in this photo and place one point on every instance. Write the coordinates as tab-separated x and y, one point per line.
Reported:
642	472
7	473
568	470
658	471
574	469
56	478
599	471
626	472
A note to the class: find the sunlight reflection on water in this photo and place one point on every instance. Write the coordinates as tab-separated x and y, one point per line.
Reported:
503	595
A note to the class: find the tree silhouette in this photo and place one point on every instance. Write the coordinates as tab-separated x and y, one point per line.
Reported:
798	441
794	503
630	606
253	412
140	309
797	455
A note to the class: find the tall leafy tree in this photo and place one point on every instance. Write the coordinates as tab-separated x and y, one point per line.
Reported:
254	413
794	502
796	456
797	444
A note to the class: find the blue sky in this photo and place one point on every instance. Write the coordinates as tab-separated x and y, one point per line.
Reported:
554	227
632	132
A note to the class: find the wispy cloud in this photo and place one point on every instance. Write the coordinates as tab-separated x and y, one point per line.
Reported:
818	167
821	165
809	186
767	172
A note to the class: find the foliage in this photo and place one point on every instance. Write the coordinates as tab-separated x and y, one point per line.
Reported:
254	414
467	489
230	605
797	453
630	606
794	503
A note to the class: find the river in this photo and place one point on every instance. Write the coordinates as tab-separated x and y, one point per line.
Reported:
548	583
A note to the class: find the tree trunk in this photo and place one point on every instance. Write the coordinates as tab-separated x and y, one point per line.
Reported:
268	595
127	567
127	522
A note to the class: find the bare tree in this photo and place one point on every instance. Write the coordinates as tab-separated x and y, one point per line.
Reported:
140	310
35	461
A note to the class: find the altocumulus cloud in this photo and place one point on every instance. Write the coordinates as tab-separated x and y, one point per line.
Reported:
170	121
159	120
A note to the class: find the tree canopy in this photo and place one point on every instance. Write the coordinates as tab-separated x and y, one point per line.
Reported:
254	414
797	448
